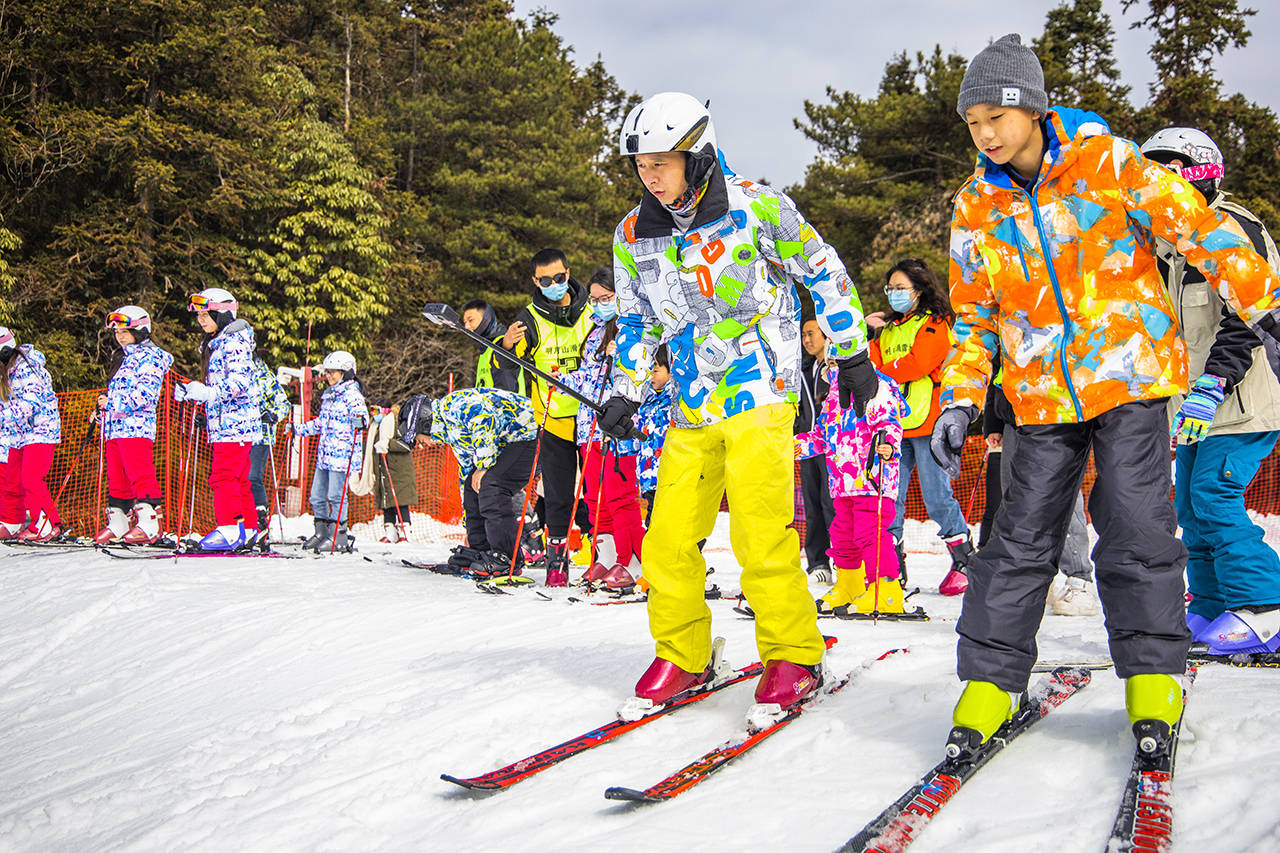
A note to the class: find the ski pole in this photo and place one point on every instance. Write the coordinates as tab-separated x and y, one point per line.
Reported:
102	449
195	469
275	488
184	468
582	481
982	467
528	490
595	522
443	315
879	545
333	543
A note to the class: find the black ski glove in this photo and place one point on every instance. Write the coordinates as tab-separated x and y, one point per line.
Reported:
858	381
947	441
615	417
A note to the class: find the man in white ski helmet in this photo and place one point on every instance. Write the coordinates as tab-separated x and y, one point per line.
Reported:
708	264
1225	426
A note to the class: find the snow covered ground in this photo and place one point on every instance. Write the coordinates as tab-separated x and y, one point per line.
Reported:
219	704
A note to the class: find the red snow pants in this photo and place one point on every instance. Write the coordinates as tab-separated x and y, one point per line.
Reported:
131	471
229	482
22	486
618	510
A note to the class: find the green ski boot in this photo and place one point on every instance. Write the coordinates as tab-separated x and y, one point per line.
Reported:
983	708
1154	703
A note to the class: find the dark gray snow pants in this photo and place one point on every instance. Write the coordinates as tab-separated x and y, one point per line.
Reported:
1138	561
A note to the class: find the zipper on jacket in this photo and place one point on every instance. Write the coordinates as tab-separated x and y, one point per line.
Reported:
1057	295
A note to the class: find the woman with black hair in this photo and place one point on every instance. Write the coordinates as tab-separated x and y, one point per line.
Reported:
913	341
30	430
232	418
126	414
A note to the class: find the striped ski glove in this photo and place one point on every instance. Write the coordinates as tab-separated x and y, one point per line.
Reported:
1195	415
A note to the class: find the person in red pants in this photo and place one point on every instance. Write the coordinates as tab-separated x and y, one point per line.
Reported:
127	417
30	430
232	417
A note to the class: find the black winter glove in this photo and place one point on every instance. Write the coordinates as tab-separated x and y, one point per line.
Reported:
270	418
858	381
615	417
947	441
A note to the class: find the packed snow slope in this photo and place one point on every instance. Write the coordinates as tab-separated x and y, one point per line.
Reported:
217	704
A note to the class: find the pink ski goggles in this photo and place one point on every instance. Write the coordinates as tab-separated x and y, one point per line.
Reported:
1203	172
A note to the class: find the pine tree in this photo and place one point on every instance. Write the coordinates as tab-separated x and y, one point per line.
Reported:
1077	52
320	266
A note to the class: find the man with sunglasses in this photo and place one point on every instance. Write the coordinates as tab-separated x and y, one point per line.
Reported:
550	332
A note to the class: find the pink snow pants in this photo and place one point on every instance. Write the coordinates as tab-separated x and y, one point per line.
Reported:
856	539
22	486
131	471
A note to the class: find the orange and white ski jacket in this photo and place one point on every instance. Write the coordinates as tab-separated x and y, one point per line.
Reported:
1062	278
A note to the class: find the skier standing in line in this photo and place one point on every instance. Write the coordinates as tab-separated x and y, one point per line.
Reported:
30	430
342	415
814	492
126	414
232	418
861	456
549	332
1053	263
1225	426
707	263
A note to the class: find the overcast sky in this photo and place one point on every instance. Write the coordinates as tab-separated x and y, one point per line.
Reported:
759	61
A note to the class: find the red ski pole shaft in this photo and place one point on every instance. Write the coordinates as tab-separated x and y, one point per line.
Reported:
528	489
391	484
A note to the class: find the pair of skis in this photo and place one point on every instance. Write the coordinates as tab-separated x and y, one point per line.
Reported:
678	782
1144	820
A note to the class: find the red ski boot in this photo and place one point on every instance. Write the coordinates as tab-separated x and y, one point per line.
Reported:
619	578
956	581
782	686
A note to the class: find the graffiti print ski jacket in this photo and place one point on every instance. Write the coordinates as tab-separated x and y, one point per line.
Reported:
845	439
722	295
479	422
652	419
342	413
273	402
30	415
134	391
1063	279
233	415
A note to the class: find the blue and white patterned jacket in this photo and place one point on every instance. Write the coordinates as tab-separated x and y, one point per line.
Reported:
589	380
271	400
479	422
30	415
234	415
652	419
134	391
342	412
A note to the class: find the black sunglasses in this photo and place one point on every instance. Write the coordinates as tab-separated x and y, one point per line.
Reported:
548	280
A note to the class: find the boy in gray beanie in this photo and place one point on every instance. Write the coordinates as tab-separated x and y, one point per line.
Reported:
1052	262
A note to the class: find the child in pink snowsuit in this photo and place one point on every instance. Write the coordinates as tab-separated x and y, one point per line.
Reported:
862	470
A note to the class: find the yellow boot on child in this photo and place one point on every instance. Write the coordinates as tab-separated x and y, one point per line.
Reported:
850	583
884	596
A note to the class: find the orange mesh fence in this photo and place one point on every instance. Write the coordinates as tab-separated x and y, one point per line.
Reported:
79	482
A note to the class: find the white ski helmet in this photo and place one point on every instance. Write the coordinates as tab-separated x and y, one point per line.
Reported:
213	299
129	317
1202	159
339	360
672	121
7	343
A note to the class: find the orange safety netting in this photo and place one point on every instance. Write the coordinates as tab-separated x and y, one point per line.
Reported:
79	485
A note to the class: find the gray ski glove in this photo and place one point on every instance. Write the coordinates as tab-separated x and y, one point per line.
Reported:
947	441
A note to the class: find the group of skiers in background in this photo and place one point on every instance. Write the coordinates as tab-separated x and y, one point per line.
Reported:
1090	280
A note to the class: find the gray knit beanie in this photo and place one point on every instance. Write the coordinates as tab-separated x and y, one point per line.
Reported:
1005	74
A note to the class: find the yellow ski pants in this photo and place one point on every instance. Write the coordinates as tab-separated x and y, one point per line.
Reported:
749	457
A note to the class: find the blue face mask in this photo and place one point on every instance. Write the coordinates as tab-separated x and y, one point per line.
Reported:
902	300
377	418
604	311
555	292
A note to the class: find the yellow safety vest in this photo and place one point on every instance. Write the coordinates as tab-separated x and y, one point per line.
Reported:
558	346
896	341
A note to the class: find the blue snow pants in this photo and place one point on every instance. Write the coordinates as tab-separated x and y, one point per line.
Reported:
1228	565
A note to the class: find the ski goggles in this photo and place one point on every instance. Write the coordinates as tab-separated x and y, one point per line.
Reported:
200	302
1203	172
548	280
116	320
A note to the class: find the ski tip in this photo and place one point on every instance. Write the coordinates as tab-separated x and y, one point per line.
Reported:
468	783
630	795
